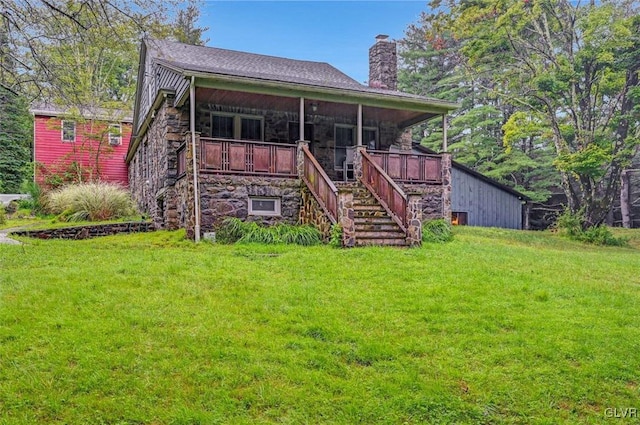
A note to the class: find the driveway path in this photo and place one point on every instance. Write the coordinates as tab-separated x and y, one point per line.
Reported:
6	239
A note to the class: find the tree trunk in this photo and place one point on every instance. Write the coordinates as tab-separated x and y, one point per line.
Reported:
625	208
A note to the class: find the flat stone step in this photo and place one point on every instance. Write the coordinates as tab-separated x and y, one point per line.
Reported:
381	242
388	234
389	226
373	207
370	214
373	220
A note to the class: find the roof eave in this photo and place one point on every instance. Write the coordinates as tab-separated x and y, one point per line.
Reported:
341	95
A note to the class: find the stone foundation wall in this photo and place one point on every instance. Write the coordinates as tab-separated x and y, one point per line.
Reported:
224	196
311	213
431	198
153	170
89	231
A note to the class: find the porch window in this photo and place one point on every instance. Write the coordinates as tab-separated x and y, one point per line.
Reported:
222	126
239	127
459	218
115	134
68	131
344	137
264	206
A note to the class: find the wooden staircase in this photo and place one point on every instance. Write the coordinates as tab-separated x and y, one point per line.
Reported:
373	224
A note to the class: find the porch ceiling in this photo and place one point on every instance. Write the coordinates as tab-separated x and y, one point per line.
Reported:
231	98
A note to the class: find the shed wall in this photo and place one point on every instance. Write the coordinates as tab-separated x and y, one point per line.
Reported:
485	204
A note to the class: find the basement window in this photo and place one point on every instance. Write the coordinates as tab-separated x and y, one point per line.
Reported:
459	218
264	206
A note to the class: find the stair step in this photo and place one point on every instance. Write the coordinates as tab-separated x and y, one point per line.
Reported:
399	234
370	227
373	207
381	242
374	220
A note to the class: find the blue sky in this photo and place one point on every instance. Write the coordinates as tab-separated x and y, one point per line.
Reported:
337	32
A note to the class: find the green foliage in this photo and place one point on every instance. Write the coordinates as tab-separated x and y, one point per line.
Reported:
438	231
15	140
234	230
573	225
565	112
335	236
36	200
90	201
3	215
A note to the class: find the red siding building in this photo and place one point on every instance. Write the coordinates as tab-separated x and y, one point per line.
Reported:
92	148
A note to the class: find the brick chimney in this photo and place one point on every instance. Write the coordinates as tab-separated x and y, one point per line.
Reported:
383	64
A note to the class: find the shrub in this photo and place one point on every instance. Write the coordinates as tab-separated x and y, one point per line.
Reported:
438	230
235	230
90	201
335	236
36	200
3	215
573	226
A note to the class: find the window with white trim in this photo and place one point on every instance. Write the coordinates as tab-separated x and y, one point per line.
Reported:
264	206
68	131
239	127
115	134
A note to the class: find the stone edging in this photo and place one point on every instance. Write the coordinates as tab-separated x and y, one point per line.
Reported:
87	231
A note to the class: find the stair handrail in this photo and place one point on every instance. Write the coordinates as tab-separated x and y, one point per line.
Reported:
369	171
311	171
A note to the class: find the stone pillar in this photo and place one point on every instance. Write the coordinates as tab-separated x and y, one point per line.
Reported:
346	217
300	157
414	219
446	186
383	64
190	195
405	140
357	163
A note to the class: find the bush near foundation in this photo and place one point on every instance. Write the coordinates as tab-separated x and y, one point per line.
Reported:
90	201
438	230
235	230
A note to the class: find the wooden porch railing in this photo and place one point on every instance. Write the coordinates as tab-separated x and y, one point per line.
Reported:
320	185
246	157
407	167
382	186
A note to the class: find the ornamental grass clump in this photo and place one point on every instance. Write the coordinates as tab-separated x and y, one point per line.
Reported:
438	230
91	202
234	230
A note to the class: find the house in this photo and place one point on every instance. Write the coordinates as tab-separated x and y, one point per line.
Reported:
477	200
219	133
90	145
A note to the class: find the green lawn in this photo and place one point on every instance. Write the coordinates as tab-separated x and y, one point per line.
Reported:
494	327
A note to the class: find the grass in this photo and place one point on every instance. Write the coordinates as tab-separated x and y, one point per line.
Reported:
494	327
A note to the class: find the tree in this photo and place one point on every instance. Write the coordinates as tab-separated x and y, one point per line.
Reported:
81	55
15	141
432	65
574	69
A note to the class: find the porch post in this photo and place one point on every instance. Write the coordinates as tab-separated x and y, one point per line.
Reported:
301	123
192	126
444	133
359	136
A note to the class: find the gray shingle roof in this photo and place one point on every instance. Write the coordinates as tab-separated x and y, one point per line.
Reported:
241	64
230	62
